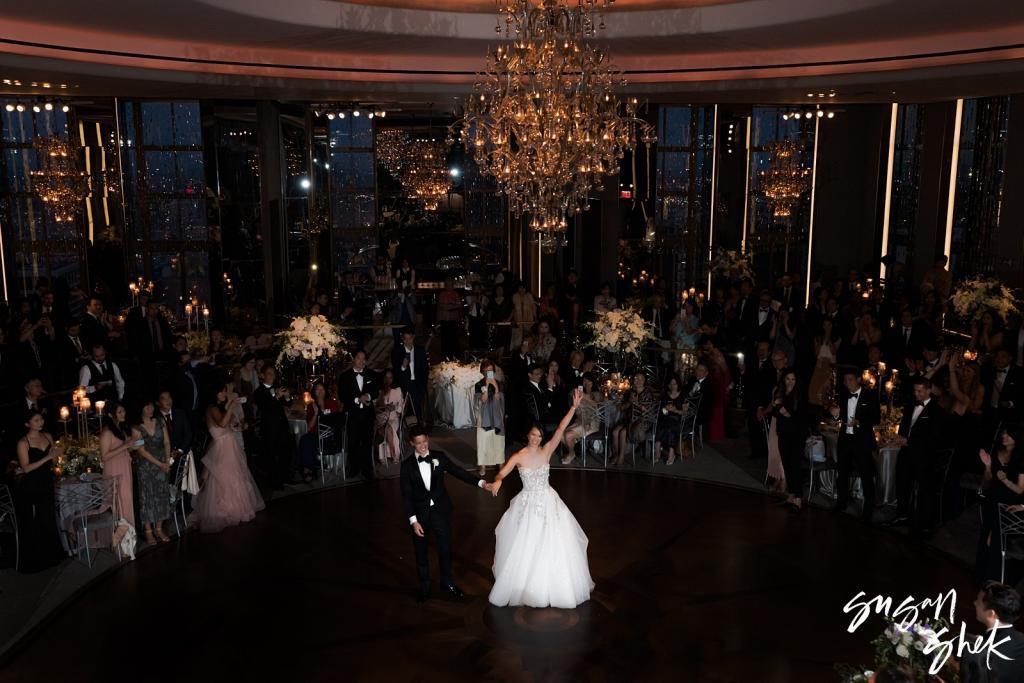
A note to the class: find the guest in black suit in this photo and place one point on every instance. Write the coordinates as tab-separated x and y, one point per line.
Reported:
537	395
659	316
998	607
179	429
858	415
70	352
357	388
702	394
920	436
1004	391
34	401
763	319
94	328
428	508
186	389
789	297
276	442
409	363
573	371
907	339
758	382
746	309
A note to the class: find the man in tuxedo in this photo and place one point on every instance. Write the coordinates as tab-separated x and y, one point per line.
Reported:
70	352
536	394
788	297
701	393
357	388
101	377
1004	390
186	389
572	374
276	443
428	508
858	414
920	437
659	316
758	381
763	320
33	401
409	363
94	329
179	430
907	339
997	606
746	310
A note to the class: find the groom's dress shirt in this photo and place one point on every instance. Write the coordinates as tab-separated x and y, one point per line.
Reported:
425	472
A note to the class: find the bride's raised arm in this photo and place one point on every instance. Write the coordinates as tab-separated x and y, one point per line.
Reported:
548	448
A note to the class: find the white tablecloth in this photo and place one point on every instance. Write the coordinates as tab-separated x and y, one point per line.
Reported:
455	407
885	467
298	427
75	498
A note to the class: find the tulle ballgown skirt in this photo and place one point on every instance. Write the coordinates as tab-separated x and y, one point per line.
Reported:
540	556
229	496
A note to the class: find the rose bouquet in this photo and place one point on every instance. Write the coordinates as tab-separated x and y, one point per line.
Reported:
79	457
621	331
310	338
453	374
976	295
731	264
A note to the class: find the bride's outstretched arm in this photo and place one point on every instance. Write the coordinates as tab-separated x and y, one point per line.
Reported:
552	443
509	465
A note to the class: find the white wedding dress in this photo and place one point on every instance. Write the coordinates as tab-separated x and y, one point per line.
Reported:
540	554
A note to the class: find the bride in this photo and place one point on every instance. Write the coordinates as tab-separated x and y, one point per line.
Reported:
540	556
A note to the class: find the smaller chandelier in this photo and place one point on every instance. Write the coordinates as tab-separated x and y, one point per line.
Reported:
419	165
58	183
785	182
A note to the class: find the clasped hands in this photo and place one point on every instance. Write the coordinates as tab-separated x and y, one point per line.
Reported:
493	487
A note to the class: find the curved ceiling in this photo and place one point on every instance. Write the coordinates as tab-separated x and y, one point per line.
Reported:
325	49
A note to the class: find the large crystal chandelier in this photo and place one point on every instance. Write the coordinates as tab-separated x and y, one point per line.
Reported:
419	165
786	179
543	118
58	183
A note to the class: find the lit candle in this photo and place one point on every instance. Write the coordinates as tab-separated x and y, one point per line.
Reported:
889	386
65	414
307	398
741	358
99	407
85	404
881	367
206	318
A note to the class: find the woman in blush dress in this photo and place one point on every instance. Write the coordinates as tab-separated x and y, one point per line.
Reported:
228	495
389	415
540	553
117	442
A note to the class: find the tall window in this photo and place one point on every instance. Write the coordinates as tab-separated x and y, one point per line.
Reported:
777	243
165	194
34	245
353	187
683	187
976	246
905	175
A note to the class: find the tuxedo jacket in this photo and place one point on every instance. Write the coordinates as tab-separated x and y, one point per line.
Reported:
758	383
868	415
272	417
94	332
925	437
348	392
705	395
544	399
180	431
898	346
974	668
419	360
416	498
761	331
1012	391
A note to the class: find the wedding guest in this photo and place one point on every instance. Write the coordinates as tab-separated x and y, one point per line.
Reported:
389	404
549	306
152	465
357	388
309	444
633	428
95	328
998	607
228	495
669	424
702	395
259	340
117	443
275	443
1003	483
409	363
543	343
790	423
490	422
179	431
476	317
1004	391
557	390
758	383
987	334
500	316
101	377
686	327
586	422
721	378
965	409
186	388
449	315
920	437
604	301
858	413
826	349
538	400
38	538
34	401
70	353
405	276
524	313
246	377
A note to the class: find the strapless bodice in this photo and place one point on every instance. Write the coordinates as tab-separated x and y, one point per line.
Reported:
535	479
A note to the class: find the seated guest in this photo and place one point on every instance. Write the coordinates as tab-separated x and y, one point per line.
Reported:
117	443
543	342
702	395
1003	482
632	428
604	301
101	377
572	374
538	401
219	351
34	402
38	538
559	392
997	606
686	327
259	339
152	465
920	437
490	425
309	445
586	421
672	410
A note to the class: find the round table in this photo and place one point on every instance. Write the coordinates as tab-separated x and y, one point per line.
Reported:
455	406
885	467
81	501
298	427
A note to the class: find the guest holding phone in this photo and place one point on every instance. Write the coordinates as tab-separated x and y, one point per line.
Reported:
117	441
490	421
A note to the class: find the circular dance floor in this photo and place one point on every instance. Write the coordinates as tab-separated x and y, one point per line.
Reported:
695	581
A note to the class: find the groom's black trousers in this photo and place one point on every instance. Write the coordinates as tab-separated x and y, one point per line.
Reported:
438	527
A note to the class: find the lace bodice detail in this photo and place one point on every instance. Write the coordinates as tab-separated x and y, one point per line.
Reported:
535	479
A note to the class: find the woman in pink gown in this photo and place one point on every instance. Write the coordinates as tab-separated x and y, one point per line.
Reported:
117	441
228	495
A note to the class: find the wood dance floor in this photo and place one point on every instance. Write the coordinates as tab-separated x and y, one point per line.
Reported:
694	582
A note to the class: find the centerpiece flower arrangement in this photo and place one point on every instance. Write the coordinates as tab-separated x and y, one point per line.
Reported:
310	338
454	374
622	332
976	295
904	647
198	342
732	264
80	456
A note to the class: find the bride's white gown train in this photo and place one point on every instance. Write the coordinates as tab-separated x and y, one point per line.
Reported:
540	554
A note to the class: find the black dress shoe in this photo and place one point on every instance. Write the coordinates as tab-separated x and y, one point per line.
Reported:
453	591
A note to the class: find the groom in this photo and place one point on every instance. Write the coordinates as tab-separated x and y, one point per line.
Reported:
428	507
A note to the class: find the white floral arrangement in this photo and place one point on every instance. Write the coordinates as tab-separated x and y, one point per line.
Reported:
310	338
732	264
458	375
621	331
976	295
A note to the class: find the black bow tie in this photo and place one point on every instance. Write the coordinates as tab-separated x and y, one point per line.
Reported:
425	458
1003	371
359	373
855	395
919	403
764	310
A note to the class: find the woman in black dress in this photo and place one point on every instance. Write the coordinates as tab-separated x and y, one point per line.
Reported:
1004	484
790	415
38	538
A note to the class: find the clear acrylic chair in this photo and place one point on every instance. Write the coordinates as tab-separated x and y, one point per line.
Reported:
95	510
9	520
1010	524
647	417
178	495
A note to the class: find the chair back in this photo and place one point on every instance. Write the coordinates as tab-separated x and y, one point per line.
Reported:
691	409
1010	523
8	515
647	414
179	476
